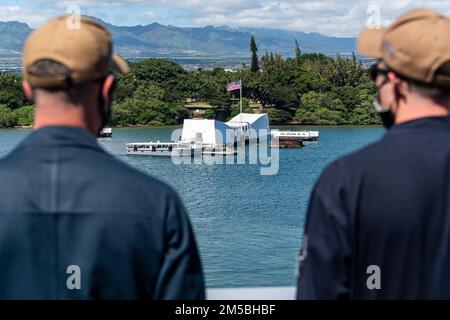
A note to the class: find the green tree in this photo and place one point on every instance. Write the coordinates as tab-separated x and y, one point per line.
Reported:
7	117
313	87
320	108
254	49
11	93
126	86
24	115
277	116
149	91
168	75
236	109
148	112
210	114
298	53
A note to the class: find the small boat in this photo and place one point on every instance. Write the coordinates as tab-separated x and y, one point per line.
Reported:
296	135
163	149
177	149
105	133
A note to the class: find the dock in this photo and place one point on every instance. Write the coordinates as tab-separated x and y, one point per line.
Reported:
208	137
299	135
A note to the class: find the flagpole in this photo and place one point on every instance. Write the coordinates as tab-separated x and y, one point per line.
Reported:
240	91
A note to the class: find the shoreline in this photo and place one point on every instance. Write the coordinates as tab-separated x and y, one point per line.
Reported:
180	125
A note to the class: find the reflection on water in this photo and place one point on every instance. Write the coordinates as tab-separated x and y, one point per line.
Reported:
248	226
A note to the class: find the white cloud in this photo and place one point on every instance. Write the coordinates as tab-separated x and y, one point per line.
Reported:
331	17
149	15
89	3
28	15
339	18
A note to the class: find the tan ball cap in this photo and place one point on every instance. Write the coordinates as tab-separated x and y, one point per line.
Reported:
416	45
86	50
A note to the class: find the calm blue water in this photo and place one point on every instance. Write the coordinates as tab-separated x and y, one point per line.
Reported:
248	226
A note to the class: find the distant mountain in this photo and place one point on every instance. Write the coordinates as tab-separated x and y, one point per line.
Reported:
12	37
156	40
309	42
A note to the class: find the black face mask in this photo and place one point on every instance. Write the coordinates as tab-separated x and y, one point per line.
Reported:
104	108
388	118
386	115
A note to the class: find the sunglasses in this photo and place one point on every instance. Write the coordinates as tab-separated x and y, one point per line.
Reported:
375	71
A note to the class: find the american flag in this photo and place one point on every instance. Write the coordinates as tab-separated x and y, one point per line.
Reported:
236	85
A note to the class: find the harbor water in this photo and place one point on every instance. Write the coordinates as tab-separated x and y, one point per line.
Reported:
248	226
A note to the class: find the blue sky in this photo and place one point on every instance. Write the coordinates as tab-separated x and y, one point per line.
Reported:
330	17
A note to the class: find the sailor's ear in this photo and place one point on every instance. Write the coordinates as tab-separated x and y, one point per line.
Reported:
28	91
401	86
108	87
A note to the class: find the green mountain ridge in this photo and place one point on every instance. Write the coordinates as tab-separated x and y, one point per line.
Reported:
156	40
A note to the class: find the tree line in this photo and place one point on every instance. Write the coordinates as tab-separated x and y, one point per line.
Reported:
303	89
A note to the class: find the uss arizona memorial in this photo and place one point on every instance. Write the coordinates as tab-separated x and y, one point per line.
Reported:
215	137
